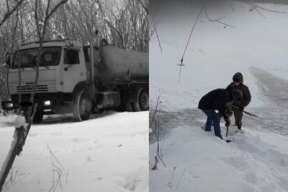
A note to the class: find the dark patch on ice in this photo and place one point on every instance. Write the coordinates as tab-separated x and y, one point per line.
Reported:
166	121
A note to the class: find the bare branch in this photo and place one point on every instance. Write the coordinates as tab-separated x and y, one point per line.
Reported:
41	38
55	8
260	13
179	181
229	1
144	7
9	13
37	19
217	20
157	36
256	6
156	109
7	4
181	65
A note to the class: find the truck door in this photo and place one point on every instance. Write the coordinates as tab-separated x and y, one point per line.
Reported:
74	69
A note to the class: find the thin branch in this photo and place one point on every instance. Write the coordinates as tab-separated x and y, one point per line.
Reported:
154	26
37	19
256	6
260	13
14	32
217	20
179	180
229	1
181	65
41	38
144	7
7	4
19	180
9	13
156	109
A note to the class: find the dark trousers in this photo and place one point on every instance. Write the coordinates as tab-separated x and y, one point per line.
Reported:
238	118
212	116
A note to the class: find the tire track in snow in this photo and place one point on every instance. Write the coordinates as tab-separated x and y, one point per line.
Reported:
260	160
165	121
274	115
274	88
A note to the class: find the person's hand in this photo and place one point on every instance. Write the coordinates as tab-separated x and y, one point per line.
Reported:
241	109
228	114
227	120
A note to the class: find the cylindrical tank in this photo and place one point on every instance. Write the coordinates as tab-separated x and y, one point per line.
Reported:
115	64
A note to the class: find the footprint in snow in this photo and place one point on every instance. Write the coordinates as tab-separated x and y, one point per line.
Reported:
55	133
33	134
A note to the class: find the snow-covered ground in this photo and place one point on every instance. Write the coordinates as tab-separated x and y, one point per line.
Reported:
258	48
109	153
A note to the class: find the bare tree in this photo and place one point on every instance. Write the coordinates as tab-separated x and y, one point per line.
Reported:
22	132
127	24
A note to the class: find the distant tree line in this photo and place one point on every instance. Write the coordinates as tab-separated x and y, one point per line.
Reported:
123	23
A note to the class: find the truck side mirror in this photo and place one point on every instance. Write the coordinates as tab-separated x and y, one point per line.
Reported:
8	59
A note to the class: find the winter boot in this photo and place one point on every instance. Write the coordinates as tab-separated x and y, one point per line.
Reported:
204	128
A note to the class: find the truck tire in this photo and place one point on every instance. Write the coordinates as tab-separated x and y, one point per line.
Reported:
142	99
38	116
82	106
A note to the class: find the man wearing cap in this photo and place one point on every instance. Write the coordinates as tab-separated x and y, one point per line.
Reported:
238	107
218	99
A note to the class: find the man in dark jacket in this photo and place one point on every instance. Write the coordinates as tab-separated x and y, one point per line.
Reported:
238	107
218	99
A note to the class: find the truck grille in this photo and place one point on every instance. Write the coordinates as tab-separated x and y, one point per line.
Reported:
28	88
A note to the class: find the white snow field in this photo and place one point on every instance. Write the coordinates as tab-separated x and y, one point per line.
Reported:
109	153
257	46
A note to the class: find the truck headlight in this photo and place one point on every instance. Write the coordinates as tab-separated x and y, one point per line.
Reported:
9	105
47	103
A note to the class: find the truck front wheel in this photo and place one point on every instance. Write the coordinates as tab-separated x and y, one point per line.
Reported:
142	100
82	106
38	116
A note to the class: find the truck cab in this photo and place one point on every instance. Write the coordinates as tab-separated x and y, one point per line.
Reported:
62	67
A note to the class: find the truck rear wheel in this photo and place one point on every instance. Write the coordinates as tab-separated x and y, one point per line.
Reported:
38	116
142	100
82	106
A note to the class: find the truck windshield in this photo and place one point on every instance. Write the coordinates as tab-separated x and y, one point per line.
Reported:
28	57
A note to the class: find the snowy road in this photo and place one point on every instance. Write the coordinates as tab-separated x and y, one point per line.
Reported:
103	154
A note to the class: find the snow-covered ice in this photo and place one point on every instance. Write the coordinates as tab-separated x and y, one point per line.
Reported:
108	153
194	160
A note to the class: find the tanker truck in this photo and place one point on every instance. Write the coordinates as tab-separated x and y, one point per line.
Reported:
78	79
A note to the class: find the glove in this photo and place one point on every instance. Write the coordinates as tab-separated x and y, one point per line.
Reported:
228	113
227	120
241	109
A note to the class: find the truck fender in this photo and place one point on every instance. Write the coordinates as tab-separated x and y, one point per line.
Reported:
83	86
